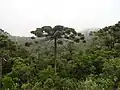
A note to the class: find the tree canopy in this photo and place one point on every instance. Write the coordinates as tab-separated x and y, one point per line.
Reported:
54	61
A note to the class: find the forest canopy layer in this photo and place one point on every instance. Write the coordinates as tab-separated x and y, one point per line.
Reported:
59	58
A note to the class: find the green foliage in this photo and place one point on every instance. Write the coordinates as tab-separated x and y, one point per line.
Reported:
26	86
108	36
7	50
28	44
95	66
46	73
112	68
7	83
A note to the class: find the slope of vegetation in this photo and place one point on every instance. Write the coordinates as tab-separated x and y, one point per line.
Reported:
62	60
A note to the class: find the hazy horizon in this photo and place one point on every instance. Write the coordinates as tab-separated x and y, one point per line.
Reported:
19	17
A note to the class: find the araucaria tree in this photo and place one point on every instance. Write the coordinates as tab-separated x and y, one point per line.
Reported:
56	33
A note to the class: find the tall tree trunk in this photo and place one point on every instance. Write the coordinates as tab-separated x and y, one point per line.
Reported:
55	53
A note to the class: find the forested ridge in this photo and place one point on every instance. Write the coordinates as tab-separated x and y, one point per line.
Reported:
60	58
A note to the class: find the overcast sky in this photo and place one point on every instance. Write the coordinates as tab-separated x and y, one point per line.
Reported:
19	17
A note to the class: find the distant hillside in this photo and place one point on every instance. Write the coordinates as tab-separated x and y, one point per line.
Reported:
28	39
23	40
18	39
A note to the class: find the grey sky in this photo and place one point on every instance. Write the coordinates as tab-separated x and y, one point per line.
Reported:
19	17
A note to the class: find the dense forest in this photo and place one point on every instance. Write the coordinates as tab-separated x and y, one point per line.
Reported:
60	58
